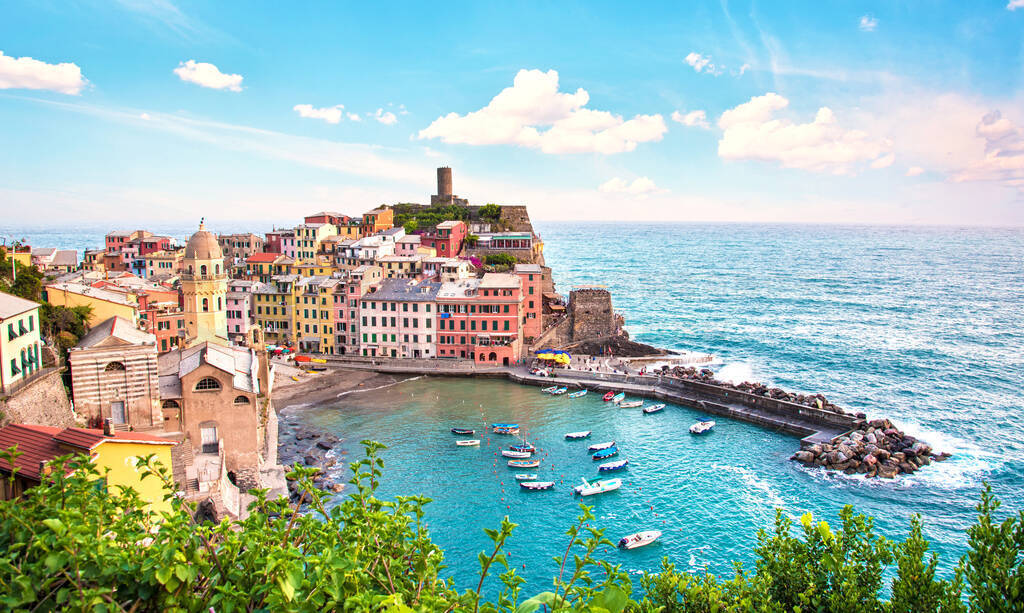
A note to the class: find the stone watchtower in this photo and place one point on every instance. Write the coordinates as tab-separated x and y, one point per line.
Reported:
204	288
444	193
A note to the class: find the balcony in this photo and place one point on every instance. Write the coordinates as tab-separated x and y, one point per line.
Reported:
196	277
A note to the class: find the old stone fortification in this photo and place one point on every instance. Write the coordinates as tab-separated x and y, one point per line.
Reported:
591	313
41	402
515	219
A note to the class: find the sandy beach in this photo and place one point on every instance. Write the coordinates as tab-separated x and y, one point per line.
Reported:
321	387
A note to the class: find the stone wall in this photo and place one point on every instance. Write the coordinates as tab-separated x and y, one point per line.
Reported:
591	313
42	402
515	218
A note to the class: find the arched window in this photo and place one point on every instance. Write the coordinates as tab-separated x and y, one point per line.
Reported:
189	269
202	270
216	268
241	400
114	366
208	384
206	304
171	404
220	305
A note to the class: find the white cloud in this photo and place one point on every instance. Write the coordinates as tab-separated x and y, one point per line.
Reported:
884	162
330	114
869	23
144	116
1013	5
208	75
751	132
693	119
385	117
702	63
354	117
517	115
913	171
1004	153
743	69
28	73
639	187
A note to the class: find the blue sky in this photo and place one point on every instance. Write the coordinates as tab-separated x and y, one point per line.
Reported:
854	112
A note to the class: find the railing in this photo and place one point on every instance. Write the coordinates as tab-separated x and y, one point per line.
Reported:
15	386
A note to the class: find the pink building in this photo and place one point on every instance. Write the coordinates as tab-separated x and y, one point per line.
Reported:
408	245
239	309
360	281
479	319
532	278
447	238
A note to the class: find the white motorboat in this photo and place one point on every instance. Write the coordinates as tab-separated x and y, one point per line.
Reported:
589	488
654	408
577	435
612	465
548	390
525	477
639	539
702	427
600	446
536	485
631	404
519	455
577	394
468	443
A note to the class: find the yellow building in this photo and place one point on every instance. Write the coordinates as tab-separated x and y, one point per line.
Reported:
164	262
19	340
117	455
104	303
401	266
204	288
315	314
274	308
21	255
308	238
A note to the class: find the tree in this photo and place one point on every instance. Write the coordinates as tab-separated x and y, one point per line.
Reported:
501	260
490	212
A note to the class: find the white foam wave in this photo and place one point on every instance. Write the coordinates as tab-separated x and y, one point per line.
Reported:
735	372
757	490
379	387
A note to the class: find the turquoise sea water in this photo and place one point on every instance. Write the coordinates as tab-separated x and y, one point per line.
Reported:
923	325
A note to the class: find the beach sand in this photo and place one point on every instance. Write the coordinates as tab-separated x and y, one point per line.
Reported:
322	387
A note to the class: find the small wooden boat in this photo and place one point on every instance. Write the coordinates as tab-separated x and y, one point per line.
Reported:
639	539
504	425
577	435
504	430
578	394
527	447
597	487
605	453
519	455
654	408
536	485
560	391
609	466
525	476
632	404
600	446
468	442
463	431
617	398
294	378
702	427
524	463
548	390
609	396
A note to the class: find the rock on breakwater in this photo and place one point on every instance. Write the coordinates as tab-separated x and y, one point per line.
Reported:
706	375
302	444
876	449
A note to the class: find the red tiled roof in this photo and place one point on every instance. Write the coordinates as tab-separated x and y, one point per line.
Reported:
36	443
90	439
258	258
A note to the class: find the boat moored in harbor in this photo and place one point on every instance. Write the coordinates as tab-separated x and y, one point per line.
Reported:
463	431
600	446
548	390
609	466
578	394
525	476
605	453
577	435
609	396
469	442
617	398
523	463
654	408
527	447
519	455
536	485
632	404
597	487
505	430
639	539
702	427
560	391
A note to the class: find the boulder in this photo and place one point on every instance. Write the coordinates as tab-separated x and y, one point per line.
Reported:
907	467
337	487
805	457
324	445
888	471
882	454
870	460
310	459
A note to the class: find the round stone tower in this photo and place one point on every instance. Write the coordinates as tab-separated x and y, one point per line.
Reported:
444	182
204	288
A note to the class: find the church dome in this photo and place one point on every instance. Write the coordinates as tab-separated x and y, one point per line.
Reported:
203	246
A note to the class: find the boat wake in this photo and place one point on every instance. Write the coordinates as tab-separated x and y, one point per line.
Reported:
757	492
379	387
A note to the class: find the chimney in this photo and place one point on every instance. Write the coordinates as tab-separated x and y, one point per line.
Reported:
108	427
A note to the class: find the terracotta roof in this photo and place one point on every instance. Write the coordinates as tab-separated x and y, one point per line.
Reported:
36	443
257	258
90	439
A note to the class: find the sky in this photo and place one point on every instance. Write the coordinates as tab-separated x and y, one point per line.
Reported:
843	112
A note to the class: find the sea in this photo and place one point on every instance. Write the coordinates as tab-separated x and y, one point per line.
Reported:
923	325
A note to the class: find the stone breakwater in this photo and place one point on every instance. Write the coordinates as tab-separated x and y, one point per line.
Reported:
876	449
309	446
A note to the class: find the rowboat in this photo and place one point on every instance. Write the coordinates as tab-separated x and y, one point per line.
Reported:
469	442
702	427
463	431
639	539
632	404
609	396
505	430
609	466
578	394
536	485
654	408
504	425
605	453
597	487
560	391
548	390
527	447
577	435
617	398
519	455
524	463
600	446
525	476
